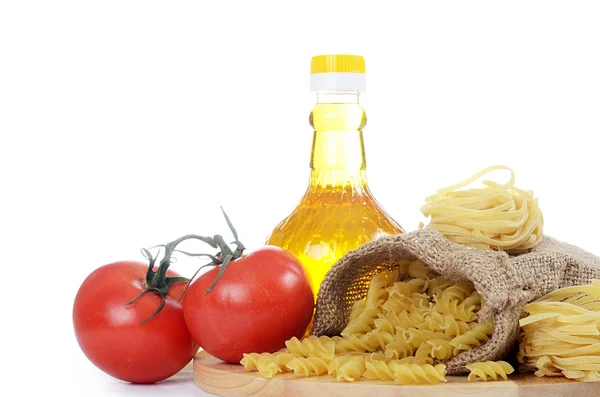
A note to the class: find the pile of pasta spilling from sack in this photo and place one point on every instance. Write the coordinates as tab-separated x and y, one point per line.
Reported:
458	296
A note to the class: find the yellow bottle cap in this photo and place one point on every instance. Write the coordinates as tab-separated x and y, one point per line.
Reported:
337	73
337	64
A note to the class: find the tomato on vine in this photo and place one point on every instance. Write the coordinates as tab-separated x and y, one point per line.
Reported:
248	302
129	323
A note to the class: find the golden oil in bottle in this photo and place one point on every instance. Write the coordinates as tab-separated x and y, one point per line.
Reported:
338	212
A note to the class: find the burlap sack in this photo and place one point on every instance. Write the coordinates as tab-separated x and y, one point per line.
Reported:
506	283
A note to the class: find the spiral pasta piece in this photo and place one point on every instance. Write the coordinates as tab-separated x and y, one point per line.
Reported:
424	354
441	349
499	216
406	288
312	346
307	366
417	285
378	340
363	323
267	364
387	324
376	295
464	311
437	285
411	360
484	369
347	367
350	344
458	291
376	356
406	319
417	337
406	374
471	338
378	369
421	301
453	327
377	287
396	304
398	349
357	308
434	322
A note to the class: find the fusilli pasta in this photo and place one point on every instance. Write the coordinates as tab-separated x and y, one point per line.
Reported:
473	337
267	364
376	295
307	366
312	346
347	367
406	374
409	319
492	369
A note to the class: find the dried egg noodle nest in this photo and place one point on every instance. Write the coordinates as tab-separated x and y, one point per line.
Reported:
561	334
499	216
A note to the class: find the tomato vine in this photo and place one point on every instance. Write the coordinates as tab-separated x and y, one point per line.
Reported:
157	281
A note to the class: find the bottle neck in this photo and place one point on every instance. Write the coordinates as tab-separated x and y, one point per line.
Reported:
338	155
338	97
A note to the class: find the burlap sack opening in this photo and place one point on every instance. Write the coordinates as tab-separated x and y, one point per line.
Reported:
506	283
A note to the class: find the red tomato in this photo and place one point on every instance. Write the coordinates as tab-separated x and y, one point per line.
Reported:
110	333
262	299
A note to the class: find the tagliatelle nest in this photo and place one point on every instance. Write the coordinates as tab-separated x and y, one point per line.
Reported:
499	216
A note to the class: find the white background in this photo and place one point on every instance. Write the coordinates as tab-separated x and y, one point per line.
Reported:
126	124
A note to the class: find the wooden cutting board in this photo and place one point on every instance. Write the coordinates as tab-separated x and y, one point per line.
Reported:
215	376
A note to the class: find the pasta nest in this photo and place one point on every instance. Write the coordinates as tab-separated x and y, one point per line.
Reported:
497	215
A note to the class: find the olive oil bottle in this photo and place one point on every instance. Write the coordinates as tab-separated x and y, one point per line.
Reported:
338	212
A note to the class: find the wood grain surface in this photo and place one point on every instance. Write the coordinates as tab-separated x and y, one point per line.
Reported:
217	377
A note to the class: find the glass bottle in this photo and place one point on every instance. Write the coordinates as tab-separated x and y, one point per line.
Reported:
338	212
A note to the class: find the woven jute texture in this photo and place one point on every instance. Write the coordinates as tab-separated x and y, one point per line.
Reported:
506	283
